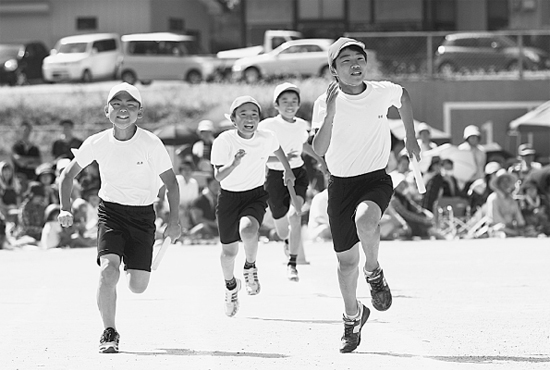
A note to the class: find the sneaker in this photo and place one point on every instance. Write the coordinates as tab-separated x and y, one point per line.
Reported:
251	280
292	273
379	290
232	300
352	330
108	343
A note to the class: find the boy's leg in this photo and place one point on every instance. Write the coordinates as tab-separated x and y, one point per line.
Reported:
248	229
227	258
138	280
348	273
295	240
106	292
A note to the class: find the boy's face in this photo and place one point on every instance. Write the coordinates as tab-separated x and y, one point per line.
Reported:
246	119
288	104
350	66
123	110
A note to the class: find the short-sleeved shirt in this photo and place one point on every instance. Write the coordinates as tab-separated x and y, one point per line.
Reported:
129	170
291	136
361	140
250	173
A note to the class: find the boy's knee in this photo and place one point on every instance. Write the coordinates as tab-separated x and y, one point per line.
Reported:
367	223
109	273
138	287
249	231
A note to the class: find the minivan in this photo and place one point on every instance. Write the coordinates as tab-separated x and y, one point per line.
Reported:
164	56
84	58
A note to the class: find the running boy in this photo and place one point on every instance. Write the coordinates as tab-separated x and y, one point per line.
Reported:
132	162
292	133
354	137
239	158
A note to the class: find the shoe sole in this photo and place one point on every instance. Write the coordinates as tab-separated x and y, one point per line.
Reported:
366	314
108	348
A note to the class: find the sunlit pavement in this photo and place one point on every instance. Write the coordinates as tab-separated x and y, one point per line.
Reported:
479	304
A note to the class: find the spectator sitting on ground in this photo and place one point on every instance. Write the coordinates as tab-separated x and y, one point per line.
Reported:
203	212
31	218
503	211
61	148
480	189
10	192
318	227
46	176
526	162
534	207
450	183
25	156
434	185
53	235
203	147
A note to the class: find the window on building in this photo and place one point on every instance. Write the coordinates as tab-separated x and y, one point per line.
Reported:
320	9
497	15
176	25
86	24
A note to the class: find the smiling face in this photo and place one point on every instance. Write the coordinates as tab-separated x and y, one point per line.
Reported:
246	118
287	105
350	66
123	110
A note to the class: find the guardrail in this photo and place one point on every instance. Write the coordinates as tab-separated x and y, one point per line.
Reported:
460	55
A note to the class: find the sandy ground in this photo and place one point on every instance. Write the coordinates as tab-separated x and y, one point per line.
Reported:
481	304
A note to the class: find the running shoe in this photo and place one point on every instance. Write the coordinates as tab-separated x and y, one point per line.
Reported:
379	290
352	330
292	273
232	300
251	280
108	343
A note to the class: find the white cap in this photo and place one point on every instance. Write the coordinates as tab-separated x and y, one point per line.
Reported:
338	45
423	126
205	125
471	131
285	86
243	100
124	86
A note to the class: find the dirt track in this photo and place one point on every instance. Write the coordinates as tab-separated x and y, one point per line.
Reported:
457	305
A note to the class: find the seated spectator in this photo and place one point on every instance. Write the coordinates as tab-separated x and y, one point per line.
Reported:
434	185
450	183
503	211
10	192
480	189
203	212
420	220
46	176
89	180
61	147
318	227
4	243
203	147
526	162
31	218
534	208
81	235
53	235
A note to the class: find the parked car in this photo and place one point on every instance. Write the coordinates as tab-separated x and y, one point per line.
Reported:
21	63
480	51
305	57
164	56
84	58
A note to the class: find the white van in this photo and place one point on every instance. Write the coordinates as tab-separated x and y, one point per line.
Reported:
84	58
164	56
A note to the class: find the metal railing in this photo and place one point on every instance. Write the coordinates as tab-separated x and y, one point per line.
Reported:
460	55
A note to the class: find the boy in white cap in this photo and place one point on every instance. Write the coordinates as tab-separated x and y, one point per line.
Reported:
132	164
239	158
292	133
354	136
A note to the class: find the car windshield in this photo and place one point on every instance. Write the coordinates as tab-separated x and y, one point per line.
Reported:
72	48
9	51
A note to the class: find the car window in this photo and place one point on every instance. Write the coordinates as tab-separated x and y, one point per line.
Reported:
70	48
467	43
174	48
296	49
104	45
485	42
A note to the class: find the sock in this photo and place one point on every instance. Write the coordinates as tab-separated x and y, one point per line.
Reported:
231	284
371	273
292	259
249	265
356	316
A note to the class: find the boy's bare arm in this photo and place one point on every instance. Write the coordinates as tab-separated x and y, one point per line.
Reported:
288	174
66	180
406	114
309	151
221	172
173	229
322	138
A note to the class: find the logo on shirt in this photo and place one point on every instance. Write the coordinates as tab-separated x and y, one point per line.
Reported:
139	163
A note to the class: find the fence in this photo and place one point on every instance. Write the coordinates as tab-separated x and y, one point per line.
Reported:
464	55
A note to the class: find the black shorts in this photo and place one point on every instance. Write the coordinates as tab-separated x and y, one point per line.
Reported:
127	231
345	194
279	197
234	205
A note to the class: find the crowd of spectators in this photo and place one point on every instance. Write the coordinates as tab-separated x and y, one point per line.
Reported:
512	198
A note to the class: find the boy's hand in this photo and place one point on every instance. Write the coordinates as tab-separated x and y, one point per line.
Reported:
240	153
173	230
292	154
332	93
413	149
65	218
289	178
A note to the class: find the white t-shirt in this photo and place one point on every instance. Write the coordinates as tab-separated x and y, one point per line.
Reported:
129	170
361	140
291	136
250	173
189	190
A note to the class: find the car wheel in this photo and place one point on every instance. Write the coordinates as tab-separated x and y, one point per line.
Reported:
447	68
86	76
325	73
128	77
252	75
193	77
146	82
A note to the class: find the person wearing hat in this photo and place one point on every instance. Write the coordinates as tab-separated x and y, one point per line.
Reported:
61	148
31	217
353	135
239	158
472	143
133	163
526	162
203	147
46	176
293	134
478	191
503	210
